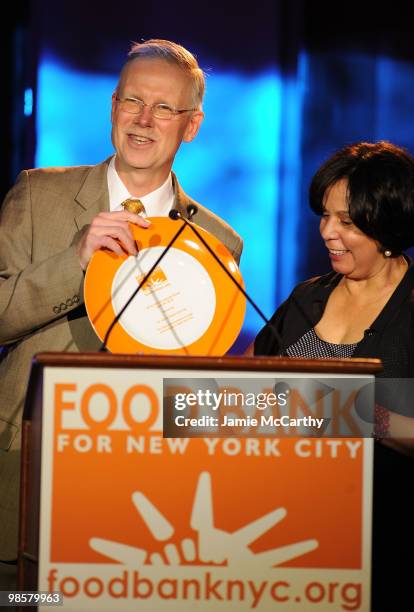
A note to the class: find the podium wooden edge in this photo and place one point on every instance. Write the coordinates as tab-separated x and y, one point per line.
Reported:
266	364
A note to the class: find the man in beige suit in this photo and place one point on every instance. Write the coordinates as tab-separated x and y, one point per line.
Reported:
53	220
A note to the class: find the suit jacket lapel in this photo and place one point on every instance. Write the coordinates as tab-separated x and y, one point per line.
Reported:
181	199
92	196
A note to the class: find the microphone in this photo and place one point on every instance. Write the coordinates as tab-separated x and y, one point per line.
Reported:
192	209
173	216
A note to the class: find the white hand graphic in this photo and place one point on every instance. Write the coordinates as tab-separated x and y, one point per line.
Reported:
214	546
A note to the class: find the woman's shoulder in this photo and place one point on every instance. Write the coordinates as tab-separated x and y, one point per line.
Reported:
322	283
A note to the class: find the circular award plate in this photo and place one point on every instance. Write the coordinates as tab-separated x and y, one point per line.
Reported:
188	306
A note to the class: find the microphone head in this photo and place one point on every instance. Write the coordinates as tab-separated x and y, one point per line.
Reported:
174	214
192	209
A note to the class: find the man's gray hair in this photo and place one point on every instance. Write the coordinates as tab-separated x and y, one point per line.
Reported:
168	51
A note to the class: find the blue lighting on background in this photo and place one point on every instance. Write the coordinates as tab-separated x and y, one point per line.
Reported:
73	116
28	102
235	166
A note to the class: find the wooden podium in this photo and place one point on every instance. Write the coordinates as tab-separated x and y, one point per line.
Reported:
117	517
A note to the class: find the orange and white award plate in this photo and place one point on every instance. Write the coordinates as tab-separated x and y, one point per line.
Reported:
188	306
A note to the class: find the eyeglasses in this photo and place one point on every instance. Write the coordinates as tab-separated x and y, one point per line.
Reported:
160	111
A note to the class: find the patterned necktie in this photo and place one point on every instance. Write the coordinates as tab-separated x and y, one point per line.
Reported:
134	205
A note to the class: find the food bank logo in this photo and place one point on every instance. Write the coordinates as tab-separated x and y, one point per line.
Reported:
214	546
154	578
157	281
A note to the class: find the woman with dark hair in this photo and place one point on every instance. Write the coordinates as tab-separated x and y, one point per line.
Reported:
364	195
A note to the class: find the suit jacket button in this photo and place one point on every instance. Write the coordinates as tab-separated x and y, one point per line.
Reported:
63	306
69	302
76	299
56	309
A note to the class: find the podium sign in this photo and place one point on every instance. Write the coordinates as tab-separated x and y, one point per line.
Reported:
131	520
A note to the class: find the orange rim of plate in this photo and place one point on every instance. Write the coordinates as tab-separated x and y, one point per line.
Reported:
230	307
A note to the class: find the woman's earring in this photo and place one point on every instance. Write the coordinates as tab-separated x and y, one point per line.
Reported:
387	253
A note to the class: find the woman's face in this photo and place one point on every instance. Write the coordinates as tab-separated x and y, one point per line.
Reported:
352	252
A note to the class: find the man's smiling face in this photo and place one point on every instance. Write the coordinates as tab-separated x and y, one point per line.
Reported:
142	141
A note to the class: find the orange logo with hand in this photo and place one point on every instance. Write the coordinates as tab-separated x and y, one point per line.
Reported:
157	280
214	546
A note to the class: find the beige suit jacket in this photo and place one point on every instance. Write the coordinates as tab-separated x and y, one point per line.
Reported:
41	301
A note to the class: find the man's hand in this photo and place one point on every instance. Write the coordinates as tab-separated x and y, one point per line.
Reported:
110	230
